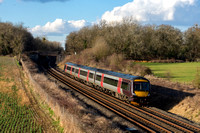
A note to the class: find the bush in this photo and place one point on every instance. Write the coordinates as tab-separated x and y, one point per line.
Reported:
14	39
138	42
139	69
142	70
100	49
196	81
115	62
168	75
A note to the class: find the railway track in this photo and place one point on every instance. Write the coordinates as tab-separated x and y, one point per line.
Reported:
147	119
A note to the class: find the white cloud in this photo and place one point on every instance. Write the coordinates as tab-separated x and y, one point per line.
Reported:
1	1
58	27
146	10
77	24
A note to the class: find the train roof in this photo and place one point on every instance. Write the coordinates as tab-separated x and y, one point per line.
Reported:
121	75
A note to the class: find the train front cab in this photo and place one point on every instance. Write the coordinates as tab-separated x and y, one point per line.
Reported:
141	92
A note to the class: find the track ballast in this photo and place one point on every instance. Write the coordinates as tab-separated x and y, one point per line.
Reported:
147	119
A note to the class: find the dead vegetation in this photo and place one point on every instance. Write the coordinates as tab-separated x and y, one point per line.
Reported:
196	81
10	79
166	95
16	110
138	41
114	62
188	108
177	98
48	95
74	115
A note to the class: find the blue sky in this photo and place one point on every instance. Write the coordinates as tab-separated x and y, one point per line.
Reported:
55	19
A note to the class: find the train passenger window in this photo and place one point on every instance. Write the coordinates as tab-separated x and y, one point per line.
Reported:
83	73
110	81
91	75
124	86
68	68
76	71
98	77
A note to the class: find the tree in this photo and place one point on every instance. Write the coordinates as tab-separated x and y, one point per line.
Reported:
168	42
14	39
192	42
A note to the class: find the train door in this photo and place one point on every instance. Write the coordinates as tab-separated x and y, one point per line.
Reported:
126	87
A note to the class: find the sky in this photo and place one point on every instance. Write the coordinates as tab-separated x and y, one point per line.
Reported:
55	19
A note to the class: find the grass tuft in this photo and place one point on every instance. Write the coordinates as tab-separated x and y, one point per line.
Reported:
196	81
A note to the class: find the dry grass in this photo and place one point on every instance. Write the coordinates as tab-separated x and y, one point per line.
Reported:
114	62
64	99
196	81
137	69
47	92
23	97
60	102
14	98
174	97
73	115
5	87
172	93
188	108
10	80
100	49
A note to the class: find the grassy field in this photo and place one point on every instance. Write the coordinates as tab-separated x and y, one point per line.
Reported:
180	72
16	114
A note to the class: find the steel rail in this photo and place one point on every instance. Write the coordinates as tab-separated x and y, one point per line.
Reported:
117	112
173	119
161	119
116	106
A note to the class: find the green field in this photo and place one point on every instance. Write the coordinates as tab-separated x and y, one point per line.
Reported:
180	72
16	115
16	118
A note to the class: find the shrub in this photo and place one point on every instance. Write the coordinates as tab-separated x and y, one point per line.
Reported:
196	81
115	61
100	49
139	69
147	71
143	70
168	75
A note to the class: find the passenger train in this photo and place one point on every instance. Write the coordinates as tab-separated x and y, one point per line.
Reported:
132	89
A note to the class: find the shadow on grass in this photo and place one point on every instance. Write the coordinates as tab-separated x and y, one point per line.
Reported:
166	98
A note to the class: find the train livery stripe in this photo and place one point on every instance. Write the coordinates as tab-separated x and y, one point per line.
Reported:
140	80
79	72
102	77
88	75
71	70
119	85
66	68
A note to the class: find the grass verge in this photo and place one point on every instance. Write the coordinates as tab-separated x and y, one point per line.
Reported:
178	72
16	114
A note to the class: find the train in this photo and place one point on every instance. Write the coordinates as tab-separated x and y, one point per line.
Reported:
129	88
